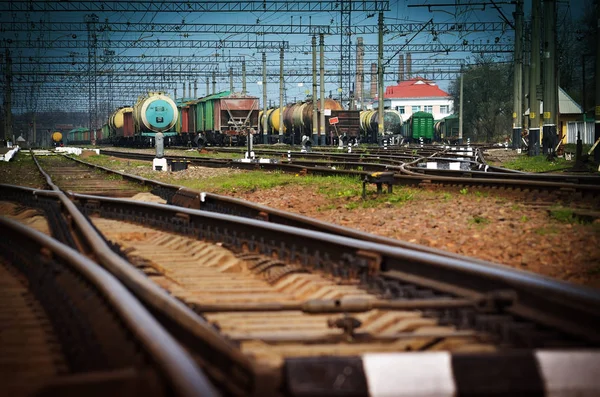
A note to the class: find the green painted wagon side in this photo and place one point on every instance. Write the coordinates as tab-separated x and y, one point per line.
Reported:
422	125
206	107
105	131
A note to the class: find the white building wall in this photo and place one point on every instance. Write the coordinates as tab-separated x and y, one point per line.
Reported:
408	103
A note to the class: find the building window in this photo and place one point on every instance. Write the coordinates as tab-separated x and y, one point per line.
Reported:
444	109
400	109
429	108
416	108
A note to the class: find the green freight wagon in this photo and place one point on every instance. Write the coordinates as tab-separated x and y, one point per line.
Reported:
421	125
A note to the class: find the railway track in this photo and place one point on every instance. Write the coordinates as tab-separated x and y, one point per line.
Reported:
69	327
267	301
565	187
71	176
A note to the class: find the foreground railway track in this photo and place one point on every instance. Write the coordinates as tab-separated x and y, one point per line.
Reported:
69	327
267	301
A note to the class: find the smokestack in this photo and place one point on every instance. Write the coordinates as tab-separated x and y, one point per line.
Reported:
183	96
408	65
373	80
400	68
360	73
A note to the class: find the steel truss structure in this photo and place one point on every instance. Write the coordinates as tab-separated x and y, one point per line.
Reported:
197	28
188	6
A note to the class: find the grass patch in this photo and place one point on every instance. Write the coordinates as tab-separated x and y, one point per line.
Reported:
543	231
537	164
211	154
464	191
109	162
524	219
563	215
396	199
479	221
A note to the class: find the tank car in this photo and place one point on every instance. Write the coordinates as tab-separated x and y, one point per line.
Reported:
120	129
369	124
153	113
57	138
298	121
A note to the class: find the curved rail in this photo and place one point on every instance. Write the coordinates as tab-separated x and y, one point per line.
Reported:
182	373
574	310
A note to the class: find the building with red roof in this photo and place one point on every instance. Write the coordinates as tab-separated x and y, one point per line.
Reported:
418	94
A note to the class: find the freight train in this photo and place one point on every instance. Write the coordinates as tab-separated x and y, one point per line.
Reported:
227	118
220	119
297	121
347	125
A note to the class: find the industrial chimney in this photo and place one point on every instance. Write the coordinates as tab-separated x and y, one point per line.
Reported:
408	66
373	80
400	68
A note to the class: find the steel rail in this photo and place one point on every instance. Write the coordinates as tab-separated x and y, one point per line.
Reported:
475	174
206	201
573	310
407	177
183	373
191	330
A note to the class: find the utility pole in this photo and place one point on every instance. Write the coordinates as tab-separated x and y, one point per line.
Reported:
315	121
244	91
8	97
534	81
518	77
597	79
91	20
526	69
380	79
322	87
460	109
34	140
281	88
264	87
549	138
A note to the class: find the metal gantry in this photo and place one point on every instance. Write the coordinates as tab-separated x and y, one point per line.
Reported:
201	28
100	65
188	6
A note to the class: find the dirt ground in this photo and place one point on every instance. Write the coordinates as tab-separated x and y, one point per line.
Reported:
486	226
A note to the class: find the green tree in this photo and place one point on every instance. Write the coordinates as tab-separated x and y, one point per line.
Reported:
487	89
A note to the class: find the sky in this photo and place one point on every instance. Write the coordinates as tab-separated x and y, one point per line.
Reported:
401	12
